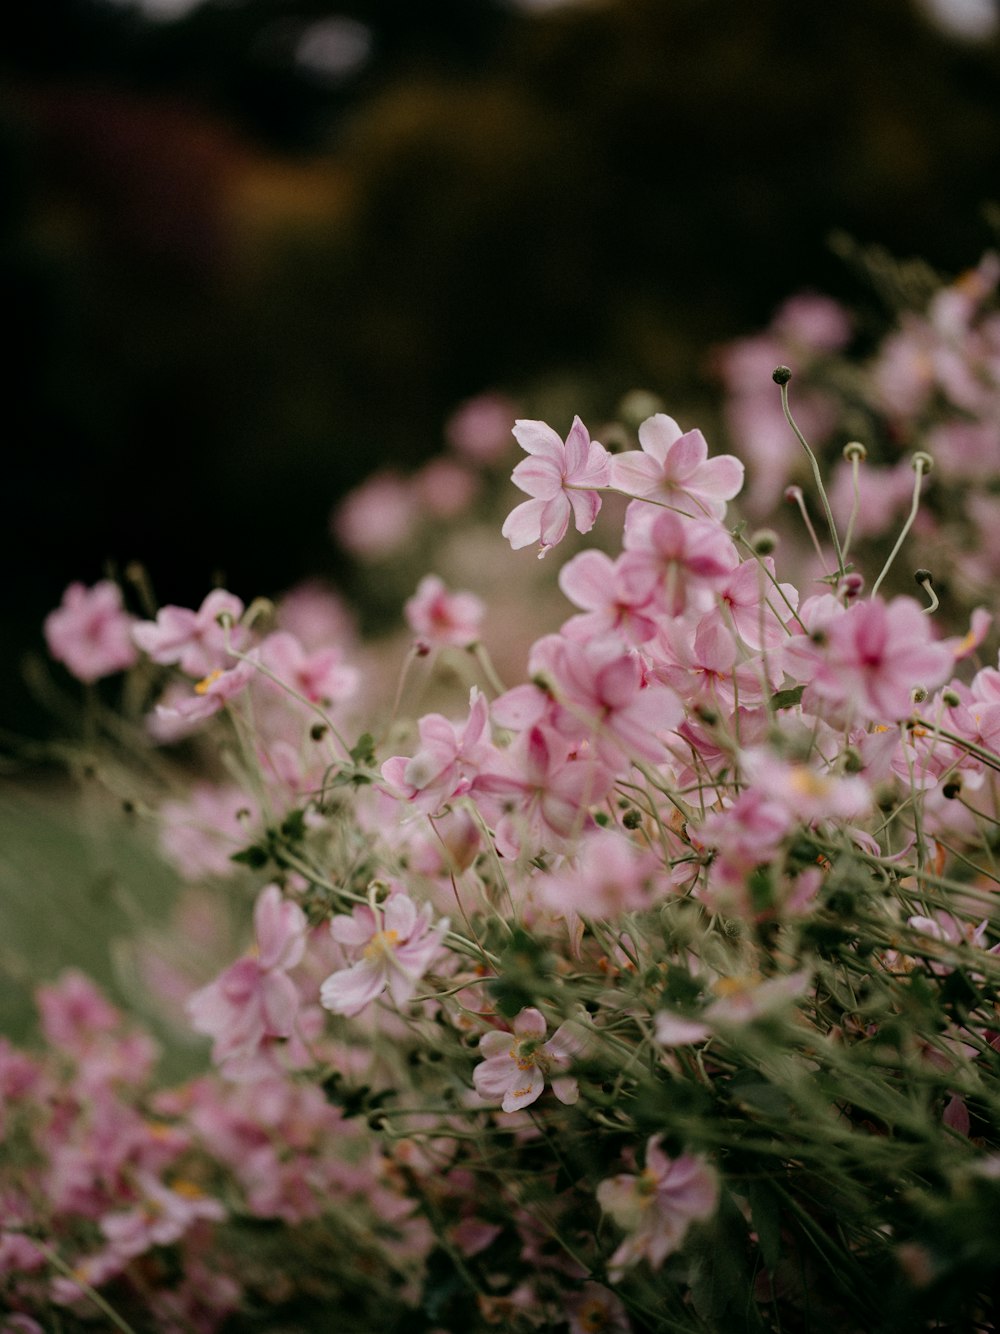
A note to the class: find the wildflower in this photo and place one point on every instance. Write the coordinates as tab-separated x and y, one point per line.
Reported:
196	641
560	479
441	618
657	1207
212	693
516	1064
254	999
90	632
320	676
675	467
398	944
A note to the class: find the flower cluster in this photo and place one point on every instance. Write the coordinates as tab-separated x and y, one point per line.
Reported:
656	989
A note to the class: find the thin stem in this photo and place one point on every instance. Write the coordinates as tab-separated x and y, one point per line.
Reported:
817	476
921	464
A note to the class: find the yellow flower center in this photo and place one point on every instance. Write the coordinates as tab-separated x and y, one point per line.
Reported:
207	682
381	943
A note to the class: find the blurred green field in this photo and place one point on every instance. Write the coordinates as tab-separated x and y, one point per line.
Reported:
80	883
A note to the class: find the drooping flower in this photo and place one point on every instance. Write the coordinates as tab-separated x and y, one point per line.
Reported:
398	944
657	1206
560	478
516	1064
90	632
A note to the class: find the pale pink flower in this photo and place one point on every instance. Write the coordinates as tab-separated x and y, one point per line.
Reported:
480	427
377	517
320	675
657	1207
316	615
536	794
447	761
516	1065
608	875
195	640
441	618
161	1218
199	836
561	479
90	632
254	999
613	599
674	467
398	944
740	1000
675	560
869	658
211	694
444	488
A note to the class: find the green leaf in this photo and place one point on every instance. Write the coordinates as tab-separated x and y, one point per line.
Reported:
787	699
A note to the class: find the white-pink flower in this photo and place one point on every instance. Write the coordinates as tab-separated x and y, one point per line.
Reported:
657	1206
516	1064
398	944
675	467
90	632
560	478
441	618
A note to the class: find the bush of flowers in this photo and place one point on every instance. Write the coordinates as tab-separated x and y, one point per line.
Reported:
655	992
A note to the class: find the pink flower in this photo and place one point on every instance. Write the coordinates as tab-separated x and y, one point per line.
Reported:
199	836
194	640
657	1207
447	761
321	676
869	658
479	428
675	467
211	694
398	945
254	999
516	1064
560	479
90	633
441	618
161	1218
675	560
377	517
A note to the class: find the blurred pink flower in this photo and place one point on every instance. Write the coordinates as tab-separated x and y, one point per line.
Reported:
480	427
657	1207
199	835
441	618
445	488
377	517
90	632
194	640
320	675
254	999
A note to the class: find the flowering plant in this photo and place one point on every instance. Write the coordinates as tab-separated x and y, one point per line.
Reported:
656	992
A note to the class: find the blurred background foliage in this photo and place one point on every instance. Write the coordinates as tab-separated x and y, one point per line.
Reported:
251	249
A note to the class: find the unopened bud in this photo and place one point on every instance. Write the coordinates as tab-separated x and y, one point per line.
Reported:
851	586
855	450
781	374
923	577
918	694
951	789
764	541
793	494
921	462
952	698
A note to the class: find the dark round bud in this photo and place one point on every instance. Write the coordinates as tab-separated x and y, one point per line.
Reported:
318	731
376	1121
952	698
951	789
764	541
607	1087
781	374
923	577
632	819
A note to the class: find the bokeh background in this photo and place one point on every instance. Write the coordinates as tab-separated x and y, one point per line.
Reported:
253	249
